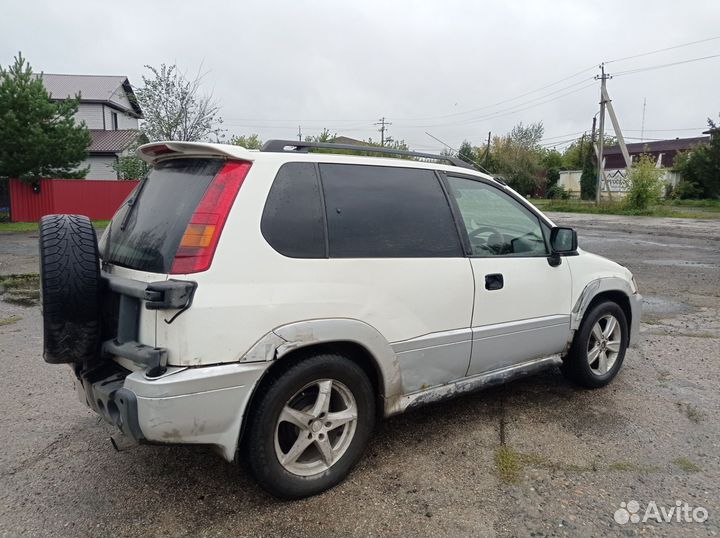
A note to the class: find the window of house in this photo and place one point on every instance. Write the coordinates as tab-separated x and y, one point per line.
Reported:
292	221
114	121
496	224
387	212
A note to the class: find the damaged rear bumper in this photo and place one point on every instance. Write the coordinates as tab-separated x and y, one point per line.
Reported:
182	406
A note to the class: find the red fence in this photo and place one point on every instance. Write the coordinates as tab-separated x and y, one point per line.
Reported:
97	199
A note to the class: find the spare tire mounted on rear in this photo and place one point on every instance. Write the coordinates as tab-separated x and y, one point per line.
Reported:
70	283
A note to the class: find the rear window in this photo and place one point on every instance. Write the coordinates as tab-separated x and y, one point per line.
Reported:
146	231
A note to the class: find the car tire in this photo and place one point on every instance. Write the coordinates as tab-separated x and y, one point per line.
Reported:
70	288
274	446
599	347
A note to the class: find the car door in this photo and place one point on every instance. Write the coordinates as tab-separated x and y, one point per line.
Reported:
396	261
522	303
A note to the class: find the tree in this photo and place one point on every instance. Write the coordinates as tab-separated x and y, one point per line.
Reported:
174	108
130	167
517	157
466	152
699	168
646	185
248	142
39	138
552	161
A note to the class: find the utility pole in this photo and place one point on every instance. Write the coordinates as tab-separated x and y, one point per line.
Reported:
487	149
582	148
299	134
642	127
383	126
601	138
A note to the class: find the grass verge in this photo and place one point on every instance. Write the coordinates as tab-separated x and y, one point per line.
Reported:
20	227
687	209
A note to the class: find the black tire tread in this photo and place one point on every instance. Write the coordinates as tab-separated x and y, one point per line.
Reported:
70	284
575	367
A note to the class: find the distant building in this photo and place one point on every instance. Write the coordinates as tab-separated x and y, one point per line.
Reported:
109	109
663	151
348	140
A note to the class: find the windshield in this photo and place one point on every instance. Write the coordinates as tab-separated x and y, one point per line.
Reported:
146	231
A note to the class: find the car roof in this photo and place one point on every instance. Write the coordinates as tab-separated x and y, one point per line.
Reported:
157	151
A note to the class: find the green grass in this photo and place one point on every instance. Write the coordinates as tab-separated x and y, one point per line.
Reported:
686	465
19	227
22	290
10	320
689	209
507	464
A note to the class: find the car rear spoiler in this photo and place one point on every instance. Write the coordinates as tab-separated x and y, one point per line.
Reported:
156	151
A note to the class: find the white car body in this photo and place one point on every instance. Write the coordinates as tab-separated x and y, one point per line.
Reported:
428	325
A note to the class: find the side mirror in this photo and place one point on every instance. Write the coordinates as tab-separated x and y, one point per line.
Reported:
563	240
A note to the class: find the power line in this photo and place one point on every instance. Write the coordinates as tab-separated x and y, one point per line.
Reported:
660	66
506	112
485	107
681	45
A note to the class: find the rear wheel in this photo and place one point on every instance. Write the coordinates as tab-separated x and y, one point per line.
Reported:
70	287
310	426
599	346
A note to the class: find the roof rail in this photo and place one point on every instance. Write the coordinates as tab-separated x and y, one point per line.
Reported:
278	146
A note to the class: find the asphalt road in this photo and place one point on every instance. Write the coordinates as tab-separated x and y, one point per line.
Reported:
569	458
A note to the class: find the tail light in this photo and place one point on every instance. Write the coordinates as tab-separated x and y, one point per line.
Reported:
202	234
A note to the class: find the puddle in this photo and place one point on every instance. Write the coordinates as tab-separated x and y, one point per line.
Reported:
662	305
680	263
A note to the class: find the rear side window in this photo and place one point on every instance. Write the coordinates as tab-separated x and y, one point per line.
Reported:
387	212
292	221
146	231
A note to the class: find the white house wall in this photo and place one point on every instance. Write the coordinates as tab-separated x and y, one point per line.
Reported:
91	114
125	121
101	167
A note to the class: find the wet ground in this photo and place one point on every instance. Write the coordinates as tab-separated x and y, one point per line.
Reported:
535	457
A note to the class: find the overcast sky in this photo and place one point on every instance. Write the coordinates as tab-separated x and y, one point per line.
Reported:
454	69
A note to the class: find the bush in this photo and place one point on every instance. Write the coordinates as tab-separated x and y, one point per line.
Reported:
646	185
687	190
700	168
558	192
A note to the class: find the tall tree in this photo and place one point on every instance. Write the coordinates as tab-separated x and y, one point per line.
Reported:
175	108
517	156
38	137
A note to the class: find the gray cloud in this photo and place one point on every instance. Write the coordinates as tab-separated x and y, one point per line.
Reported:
274	65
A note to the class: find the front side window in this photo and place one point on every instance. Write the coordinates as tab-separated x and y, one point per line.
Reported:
387	212
496	224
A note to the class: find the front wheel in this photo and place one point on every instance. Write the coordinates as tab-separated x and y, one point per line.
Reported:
310	426
599	346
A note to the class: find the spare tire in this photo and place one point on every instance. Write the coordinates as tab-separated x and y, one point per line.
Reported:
70	284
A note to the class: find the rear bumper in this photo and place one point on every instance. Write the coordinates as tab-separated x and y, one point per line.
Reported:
183	406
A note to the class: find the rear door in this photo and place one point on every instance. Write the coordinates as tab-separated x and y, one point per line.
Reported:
143	238
522	303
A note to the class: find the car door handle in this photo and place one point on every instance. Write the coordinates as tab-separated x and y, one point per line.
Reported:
494	281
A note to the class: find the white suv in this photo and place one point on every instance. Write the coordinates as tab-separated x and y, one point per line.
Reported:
274	303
